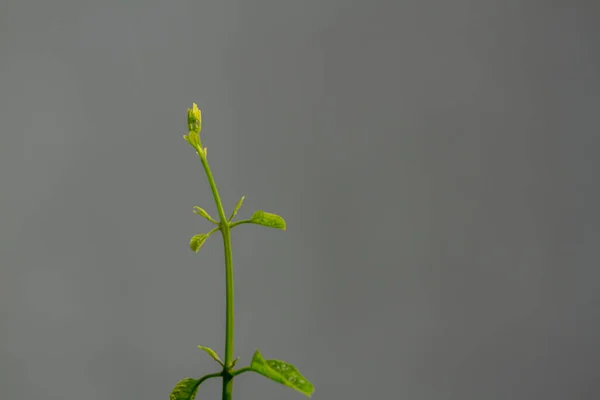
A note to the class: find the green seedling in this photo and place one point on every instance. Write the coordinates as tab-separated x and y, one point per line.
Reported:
276	370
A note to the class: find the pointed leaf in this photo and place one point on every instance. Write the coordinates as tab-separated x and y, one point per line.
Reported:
185	389
197	241
268	219
212	353
237	208
202	212
193	139
281	372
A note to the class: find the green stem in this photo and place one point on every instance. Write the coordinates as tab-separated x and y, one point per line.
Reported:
227	377
244	221
213	230
226	232
213	187
205	377
241	371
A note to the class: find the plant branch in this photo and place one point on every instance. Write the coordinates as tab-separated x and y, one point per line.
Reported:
229	319
244	221
241	371
205	377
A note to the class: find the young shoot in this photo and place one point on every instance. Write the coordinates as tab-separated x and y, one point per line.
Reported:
276	370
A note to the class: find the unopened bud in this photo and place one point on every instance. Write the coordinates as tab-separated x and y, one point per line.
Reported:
194	119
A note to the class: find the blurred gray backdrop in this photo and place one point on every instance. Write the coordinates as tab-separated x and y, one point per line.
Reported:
435	162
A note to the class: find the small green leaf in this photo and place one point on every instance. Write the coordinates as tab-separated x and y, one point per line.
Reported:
234	362
197	241
268	219
202	212
185	389
237	208
281	372
193	139
212	353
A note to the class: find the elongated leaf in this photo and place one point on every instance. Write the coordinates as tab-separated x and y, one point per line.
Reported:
197	241
202	212
281	372
212	353
185	389
268	219
193	139
237	208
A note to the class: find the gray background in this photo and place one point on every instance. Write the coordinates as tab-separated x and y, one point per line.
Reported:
435	162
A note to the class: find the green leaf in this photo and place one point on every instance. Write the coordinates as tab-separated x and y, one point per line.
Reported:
268	219
281	372
237	208
185	389
197	241
193	139
212	353
202	212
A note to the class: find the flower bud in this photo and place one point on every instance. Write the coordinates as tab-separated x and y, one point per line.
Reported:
194	119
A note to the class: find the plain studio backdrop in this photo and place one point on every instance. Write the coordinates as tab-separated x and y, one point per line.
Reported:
436	163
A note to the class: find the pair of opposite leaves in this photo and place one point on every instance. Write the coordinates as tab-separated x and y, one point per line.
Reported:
259	218
276	370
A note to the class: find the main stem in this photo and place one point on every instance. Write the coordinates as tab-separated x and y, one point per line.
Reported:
226	232
227	377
